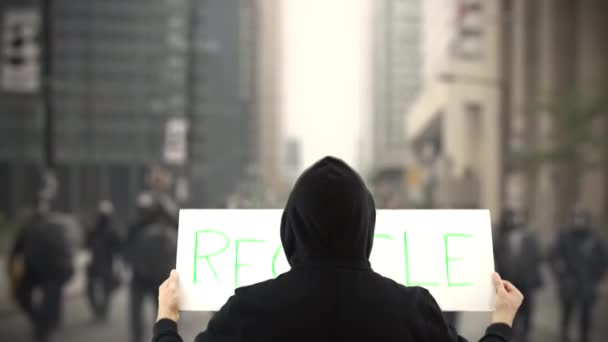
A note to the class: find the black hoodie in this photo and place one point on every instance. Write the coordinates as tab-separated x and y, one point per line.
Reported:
331	293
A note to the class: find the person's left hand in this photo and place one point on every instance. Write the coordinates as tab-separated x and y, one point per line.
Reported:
168	299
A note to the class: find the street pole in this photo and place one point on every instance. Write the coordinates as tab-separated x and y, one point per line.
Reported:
191	62
182	26
49	181
47	65
505	47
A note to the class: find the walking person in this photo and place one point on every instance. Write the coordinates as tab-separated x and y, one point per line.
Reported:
104	243
578	260
151	246
43	260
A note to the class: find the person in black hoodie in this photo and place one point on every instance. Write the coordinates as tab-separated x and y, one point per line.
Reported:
331	292
45	257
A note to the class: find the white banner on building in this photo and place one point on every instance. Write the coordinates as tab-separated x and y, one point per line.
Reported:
21	50
175	141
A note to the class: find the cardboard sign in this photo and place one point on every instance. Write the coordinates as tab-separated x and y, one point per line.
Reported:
449	252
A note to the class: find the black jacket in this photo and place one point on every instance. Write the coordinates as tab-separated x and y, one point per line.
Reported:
44	245
152	240
331	293
104	243
522	266
579	262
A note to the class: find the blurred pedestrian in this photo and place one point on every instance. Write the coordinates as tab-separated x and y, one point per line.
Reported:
518	259
41	260
578	260
331	293
104	243
151	245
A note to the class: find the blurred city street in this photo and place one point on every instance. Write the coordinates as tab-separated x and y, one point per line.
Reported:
115	115
79	324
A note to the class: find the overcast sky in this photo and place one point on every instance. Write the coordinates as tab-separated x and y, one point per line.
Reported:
325	74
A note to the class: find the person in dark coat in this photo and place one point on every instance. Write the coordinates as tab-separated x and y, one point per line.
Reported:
44	258
331	292
104	243
578	260
151	240
518	259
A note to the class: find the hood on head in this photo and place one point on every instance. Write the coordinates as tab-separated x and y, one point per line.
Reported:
329	217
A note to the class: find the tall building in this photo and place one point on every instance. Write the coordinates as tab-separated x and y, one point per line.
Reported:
454	125
224	136
271	144
482	112
551	63
21	133
122	71
396	78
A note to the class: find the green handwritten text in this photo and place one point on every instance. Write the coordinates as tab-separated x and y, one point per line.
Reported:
274	260
448	258
209	255
238	265
407	266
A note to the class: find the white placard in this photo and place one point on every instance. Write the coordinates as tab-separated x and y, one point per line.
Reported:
449	252
20	59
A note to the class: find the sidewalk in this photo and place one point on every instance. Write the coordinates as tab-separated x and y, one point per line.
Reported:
74	288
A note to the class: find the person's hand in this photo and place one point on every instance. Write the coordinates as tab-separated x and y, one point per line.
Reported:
508	300
168	299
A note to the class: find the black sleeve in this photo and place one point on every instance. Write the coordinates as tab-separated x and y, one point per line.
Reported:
432	323
165	330
497	332
438	330
223	326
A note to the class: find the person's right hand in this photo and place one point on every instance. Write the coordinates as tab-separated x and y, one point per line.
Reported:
508	300
168	299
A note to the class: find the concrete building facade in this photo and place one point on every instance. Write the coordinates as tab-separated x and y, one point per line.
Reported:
557	50
454	123
483	113
122	70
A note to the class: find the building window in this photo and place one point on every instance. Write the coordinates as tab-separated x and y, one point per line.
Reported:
467	43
